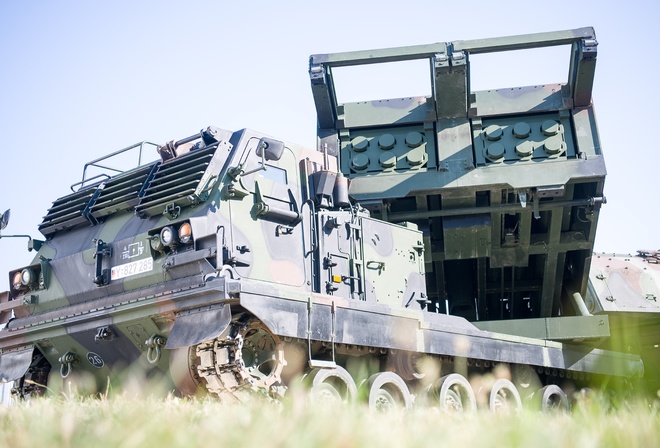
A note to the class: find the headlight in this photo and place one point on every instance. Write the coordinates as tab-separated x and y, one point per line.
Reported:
167	236
33	277
185	233
27	276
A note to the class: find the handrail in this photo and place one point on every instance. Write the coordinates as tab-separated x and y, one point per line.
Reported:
81	183
95	162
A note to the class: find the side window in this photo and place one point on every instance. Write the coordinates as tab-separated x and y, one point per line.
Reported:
274	173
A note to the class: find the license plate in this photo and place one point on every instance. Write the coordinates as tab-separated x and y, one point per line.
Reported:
133	268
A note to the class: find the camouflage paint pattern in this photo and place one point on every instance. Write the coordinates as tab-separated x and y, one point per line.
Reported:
232	230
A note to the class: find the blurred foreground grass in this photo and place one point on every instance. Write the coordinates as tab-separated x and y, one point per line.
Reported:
149	422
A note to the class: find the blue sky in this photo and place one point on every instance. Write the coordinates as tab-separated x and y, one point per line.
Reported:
82	79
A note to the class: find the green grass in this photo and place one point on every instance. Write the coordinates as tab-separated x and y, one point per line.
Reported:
141	421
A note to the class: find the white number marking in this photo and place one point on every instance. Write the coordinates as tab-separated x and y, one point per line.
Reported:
132	268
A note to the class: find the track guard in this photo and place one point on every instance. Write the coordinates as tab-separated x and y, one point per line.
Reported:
13	365
201	324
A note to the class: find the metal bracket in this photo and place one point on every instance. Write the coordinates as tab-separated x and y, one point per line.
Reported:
172	211
316	363
309	328
102	276
87	211
233	191
333	310
583	65
260	207
535	206
104	334
376	265
283	230
328	262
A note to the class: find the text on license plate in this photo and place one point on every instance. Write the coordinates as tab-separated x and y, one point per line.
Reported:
132	268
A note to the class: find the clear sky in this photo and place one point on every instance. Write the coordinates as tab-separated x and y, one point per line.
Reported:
80	79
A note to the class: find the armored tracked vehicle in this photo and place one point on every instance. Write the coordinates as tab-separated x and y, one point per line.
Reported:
433	248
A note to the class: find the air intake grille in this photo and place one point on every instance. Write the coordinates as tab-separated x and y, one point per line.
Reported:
149	190
66	212
121	192
181	182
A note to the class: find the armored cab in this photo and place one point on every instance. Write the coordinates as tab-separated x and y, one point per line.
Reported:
452	230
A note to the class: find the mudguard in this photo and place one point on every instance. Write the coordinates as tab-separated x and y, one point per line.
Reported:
13	365
198	325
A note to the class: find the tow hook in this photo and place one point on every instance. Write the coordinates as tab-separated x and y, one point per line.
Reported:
66	360
155	344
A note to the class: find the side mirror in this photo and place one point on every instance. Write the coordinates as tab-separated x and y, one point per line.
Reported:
267	149
270	149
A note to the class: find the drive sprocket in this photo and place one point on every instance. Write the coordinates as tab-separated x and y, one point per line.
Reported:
249	359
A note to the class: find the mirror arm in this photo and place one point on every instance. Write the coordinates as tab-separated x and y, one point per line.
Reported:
32	244
261	167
